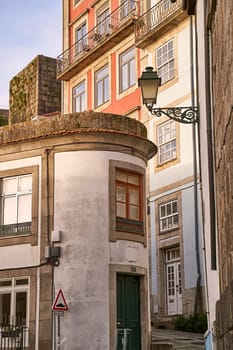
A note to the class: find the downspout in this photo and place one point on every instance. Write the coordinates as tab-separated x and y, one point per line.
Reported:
210	139
194	135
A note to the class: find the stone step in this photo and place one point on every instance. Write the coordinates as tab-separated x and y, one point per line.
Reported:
162	346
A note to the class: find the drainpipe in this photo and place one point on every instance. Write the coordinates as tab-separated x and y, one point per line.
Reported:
194	135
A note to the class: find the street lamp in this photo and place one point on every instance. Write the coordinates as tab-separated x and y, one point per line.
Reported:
149	83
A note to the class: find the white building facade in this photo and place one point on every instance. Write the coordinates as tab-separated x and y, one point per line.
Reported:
174	198
73	217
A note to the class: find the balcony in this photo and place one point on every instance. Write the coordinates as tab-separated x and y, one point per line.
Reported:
103	37
23	228
158	20
14	337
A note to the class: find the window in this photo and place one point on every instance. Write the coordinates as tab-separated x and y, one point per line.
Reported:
19	205
168	215
103	19
127	7
16	205
13	301
165	61
101	86
127	69
166	141
128	201
80	38
79	97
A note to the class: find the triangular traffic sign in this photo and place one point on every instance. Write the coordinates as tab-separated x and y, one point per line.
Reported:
60	302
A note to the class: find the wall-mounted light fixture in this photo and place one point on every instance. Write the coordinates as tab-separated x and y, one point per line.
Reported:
149	83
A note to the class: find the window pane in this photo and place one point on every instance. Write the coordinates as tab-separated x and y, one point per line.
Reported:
165	61
25	183
174	207
133	197
24	208
121	176
79	98
5	309
132	72
9	185
10	212
169	215
134	213
5	283
21	308
121	210
22	281
133	179
162	211
121	194
99	93
169	209
175	220
127	69
124	79
101	86
106	89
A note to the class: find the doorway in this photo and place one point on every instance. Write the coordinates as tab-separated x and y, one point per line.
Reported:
128	311
173	282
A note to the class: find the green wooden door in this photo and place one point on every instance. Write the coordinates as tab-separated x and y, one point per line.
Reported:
128	310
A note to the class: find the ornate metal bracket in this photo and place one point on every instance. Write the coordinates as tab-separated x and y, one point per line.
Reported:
186	115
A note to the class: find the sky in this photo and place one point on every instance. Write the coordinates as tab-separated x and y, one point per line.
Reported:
27	28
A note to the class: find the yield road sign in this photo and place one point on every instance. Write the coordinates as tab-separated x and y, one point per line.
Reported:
60	302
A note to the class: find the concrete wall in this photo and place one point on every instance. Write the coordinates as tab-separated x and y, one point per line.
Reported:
82	214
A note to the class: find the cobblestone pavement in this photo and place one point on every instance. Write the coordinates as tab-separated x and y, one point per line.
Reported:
179	340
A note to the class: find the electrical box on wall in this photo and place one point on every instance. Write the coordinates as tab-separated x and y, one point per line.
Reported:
56	236
52	252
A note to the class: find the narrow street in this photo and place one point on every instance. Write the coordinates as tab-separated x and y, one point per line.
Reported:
165	339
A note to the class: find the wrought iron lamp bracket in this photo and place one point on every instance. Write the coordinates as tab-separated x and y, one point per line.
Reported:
186	115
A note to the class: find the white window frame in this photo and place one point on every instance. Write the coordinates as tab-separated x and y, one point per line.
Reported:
15	195
80	42
79	97
127	60
165	61
171	218
13	289
103	19
127	7
166	142
102	83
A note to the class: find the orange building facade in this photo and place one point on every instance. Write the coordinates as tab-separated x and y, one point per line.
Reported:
100	64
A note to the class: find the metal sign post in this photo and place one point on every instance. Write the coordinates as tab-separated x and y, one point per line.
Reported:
59	306
58	314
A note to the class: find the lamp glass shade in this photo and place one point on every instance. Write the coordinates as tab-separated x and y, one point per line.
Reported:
149	84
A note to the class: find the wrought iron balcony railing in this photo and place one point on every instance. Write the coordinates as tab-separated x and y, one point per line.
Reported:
16	229
156	17
128	10
13	337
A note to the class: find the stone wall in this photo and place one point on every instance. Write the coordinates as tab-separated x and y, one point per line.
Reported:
222	30
35	90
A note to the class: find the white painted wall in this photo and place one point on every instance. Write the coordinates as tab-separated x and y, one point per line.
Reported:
81	212
177	94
